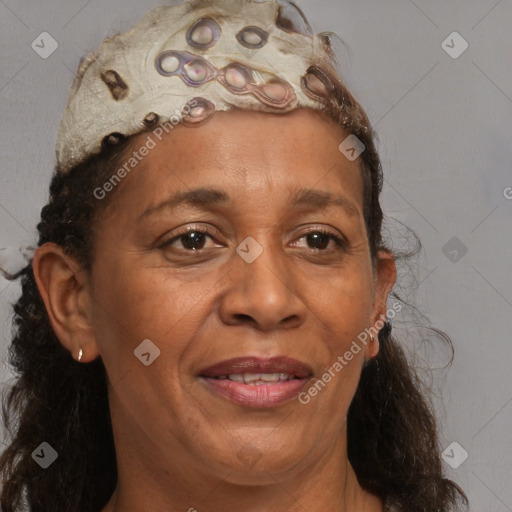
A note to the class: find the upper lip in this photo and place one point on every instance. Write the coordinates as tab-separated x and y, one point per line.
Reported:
253	364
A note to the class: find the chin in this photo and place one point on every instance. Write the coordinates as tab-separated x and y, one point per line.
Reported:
252	465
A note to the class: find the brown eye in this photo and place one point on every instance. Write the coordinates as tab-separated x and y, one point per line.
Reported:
193	240
319	240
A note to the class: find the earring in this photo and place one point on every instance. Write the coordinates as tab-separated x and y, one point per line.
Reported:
373	339
80	354
367	361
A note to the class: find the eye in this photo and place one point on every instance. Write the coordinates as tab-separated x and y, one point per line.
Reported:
191	239
195	239
320	237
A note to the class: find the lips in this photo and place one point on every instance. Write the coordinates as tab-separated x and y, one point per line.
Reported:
257	382
252	365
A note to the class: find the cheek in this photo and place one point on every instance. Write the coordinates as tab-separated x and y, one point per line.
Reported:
344	307
344	302
132	307
135	304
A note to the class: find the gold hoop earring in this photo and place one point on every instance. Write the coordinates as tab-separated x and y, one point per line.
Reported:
373	341
80	354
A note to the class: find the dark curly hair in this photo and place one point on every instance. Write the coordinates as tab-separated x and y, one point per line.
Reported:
393	442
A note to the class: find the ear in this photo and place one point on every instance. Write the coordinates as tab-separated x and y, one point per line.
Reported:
385	278
65	289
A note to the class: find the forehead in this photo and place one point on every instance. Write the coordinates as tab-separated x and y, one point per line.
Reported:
248	153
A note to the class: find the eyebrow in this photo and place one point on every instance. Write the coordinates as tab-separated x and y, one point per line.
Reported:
207	197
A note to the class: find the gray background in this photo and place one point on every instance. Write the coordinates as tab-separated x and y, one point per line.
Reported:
445	129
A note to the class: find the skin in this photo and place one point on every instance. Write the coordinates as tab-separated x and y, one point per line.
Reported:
176	441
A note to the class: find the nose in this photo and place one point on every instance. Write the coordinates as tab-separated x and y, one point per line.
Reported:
265	293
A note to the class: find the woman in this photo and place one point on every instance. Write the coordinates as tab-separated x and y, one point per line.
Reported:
205	323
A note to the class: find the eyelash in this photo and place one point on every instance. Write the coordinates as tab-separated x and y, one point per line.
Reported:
340	242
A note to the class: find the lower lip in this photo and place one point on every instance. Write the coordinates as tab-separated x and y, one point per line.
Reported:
271	394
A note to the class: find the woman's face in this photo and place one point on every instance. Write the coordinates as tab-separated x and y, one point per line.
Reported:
255	279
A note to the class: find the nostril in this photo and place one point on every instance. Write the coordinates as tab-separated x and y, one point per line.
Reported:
243	317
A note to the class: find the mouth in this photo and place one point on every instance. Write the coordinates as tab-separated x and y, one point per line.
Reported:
257	382
256	379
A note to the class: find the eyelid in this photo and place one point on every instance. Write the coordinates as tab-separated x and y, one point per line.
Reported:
200	228
328	230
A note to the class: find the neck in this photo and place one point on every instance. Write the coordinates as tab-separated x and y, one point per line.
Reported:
150	481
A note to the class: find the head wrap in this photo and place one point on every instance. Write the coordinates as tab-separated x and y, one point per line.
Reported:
186	61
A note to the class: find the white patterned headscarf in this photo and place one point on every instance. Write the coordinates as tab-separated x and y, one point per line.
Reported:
184	62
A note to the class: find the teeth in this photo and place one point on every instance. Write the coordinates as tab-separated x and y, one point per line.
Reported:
259	378
272	377
249	378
